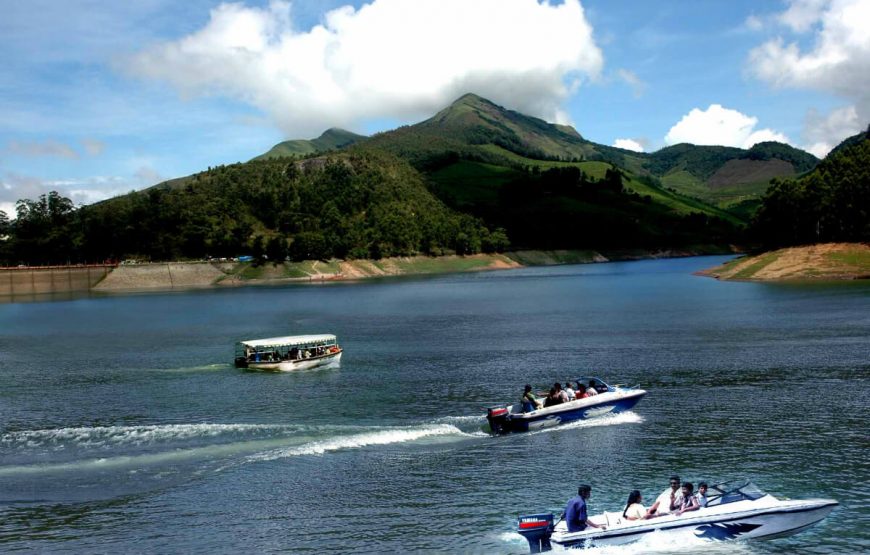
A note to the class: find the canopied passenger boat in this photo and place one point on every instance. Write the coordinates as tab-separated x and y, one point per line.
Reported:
736	510
608	399
294	352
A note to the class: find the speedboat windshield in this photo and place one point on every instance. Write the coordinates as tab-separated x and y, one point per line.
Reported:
733	491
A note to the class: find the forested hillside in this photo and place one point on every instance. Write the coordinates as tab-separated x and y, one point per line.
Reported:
832	203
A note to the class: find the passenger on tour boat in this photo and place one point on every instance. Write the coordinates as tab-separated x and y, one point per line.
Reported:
667	499
702	494
569	391
633	508
581	391
575	513
688	502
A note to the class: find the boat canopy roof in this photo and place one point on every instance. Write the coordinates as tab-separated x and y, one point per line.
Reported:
289	341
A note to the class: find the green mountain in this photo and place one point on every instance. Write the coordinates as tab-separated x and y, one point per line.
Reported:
474	177
831	203
731	178
331	139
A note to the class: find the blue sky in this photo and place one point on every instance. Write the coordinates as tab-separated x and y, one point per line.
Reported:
100	98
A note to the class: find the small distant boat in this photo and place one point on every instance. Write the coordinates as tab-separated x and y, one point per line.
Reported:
504	419
735	510
294	352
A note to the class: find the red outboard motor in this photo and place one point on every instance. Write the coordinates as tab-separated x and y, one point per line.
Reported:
537	530
498	419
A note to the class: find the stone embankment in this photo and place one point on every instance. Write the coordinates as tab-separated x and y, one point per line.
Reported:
45	280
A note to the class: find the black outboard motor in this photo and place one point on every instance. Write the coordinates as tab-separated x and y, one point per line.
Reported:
498	420
537	530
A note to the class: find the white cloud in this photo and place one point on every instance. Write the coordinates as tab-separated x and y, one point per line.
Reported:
93	146
628	144
838	62
720	126
754	23
387	59
15	187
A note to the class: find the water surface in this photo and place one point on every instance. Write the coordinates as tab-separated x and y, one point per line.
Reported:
123	426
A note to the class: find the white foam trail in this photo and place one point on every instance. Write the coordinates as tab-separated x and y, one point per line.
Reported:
103	436
655	542
381	437
607	420
473	419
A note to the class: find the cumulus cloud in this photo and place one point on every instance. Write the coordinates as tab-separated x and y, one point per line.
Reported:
838	62
628	144
387	59
720	126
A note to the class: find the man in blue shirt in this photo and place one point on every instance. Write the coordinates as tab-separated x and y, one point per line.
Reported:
575	512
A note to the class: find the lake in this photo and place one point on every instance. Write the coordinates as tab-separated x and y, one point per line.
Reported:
124	426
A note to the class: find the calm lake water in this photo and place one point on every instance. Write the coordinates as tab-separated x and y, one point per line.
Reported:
124	426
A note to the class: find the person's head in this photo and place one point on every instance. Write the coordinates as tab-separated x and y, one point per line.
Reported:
584	491
557	386
527	388
581	388
687	489
552	391
702	488
633	497
675	483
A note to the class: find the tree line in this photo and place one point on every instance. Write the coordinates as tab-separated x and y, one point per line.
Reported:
363	205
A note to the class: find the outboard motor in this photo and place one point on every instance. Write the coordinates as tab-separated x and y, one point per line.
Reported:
498	419
537	530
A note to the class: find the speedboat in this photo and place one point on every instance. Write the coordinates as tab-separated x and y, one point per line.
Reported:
294	352
735	510
504	419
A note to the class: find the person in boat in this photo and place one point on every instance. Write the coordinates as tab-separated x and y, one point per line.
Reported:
633	508
561	393
702	494
688	502
529	401
590	391
668	498
575	512
553	398
581	391
597	386
569	391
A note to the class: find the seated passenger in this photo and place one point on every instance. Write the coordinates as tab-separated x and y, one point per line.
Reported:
553	398
702	494
688	502
668	499
633	509
529	401
561	393
591	389
599	387
569	391
581	391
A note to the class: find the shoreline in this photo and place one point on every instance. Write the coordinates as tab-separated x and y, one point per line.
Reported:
169	276
196	275
812	263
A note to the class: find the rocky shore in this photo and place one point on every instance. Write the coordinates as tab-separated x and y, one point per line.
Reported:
822	262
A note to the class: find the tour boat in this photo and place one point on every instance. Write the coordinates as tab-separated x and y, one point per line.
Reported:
295	352
505	419
734	510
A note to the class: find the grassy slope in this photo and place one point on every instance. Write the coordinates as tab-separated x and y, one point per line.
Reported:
830	261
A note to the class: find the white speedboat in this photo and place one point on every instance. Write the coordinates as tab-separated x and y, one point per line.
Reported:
505	419
735	510
295	352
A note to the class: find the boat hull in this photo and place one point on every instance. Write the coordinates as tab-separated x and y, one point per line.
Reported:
602	404
777	520
294	365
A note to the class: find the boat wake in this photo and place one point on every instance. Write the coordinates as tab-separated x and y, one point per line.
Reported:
606	420
654	542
